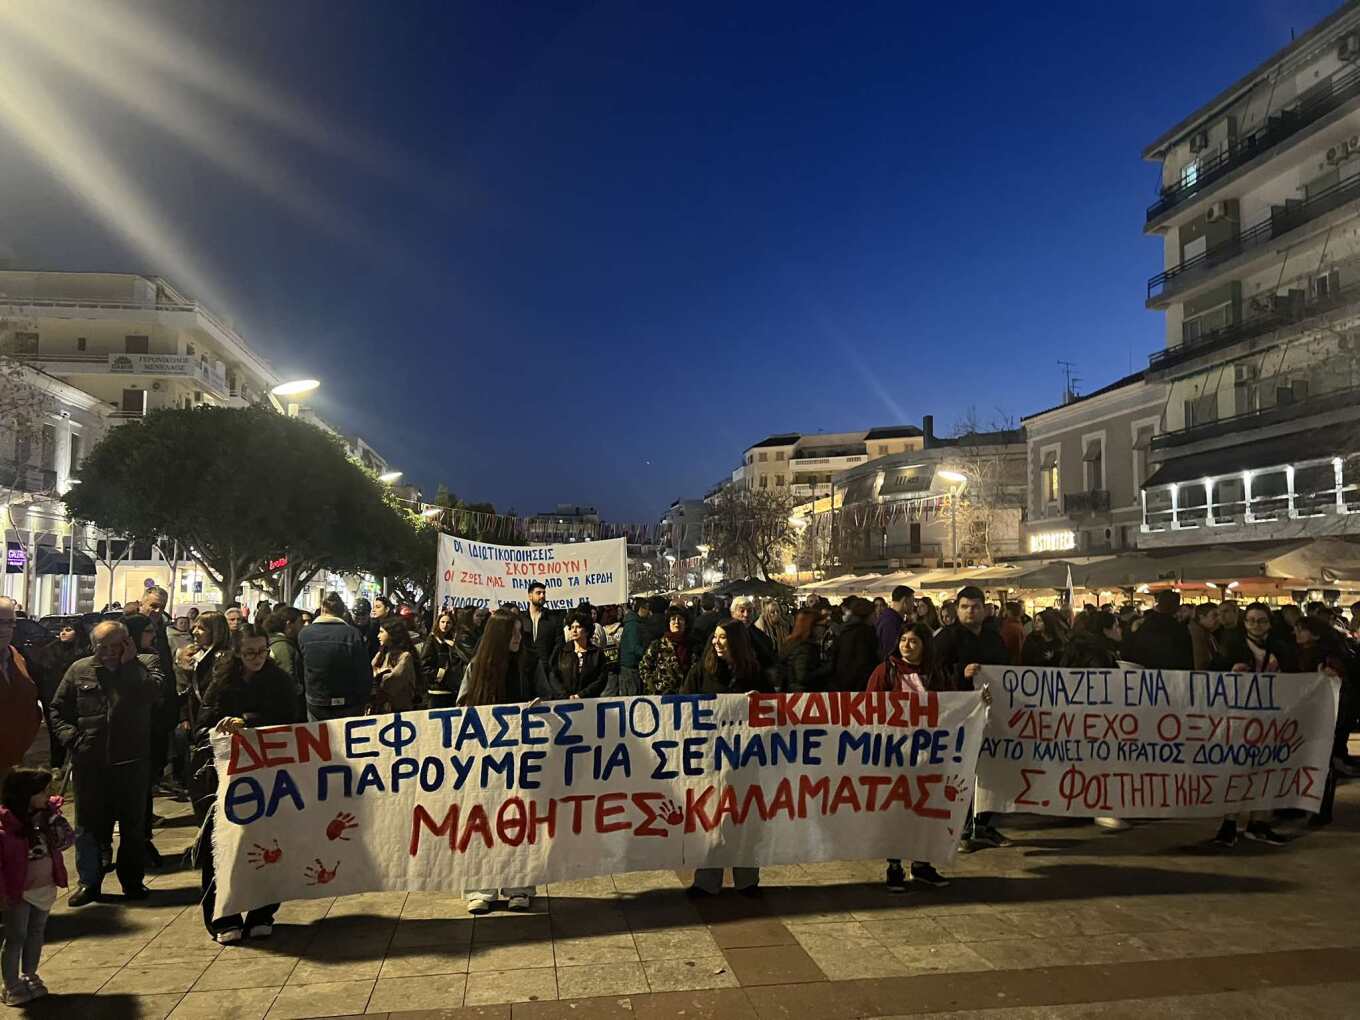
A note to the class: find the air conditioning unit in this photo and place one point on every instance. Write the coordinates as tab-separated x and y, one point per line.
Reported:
1217	211
1354	143
1349	49
1199	141
1336	154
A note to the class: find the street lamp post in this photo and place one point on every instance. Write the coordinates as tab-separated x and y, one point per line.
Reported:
293	388
959	481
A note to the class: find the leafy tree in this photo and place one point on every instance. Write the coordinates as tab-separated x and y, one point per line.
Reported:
237	488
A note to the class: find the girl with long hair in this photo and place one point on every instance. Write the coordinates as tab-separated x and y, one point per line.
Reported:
443	660
729	666
1044	644
396	678
33	836
772	623
496	676
801	664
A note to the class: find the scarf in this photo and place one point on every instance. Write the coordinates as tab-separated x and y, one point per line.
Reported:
681	649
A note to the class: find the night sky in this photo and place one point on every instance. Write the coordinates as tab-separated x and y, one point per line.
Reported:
589	252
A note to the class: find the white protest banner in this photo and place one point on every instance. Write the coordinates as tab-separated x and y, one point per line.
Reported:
1138	743
469	573
511	795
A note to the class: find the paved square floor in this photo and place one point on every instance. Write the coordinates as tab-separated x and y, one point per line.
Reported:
1072	921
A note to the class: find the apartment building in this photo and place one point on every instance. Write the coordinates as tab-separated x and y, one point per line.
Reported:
1259	212
1087	461
802	463
46	427
681	530
567	523
134	342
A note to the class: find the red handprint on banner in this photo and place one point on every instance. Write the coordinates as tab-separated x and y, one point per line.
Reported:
955	787
317	873
670	812
339	825
260	856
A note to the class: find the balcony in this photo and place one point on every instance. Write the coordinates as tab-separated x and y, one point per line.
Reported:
1282	220
1317	102
1285	310
163	366
26	477
1083	504
1334	400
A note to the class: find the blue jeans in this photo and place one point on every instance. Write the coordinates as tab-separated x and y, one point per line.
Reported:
24	926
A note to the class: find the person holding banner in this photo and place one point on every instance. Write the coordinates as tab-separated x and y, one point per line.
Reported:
502	672
912	669
729	666
247	689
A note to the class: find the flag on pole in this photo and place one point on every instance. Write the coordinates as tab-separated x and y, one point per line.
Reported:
1070	600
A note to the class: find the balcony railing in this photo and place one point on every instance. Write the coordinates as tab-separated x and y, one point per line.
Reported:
1318	102
1282	220
1285	310
1320	404
1097	501
26	477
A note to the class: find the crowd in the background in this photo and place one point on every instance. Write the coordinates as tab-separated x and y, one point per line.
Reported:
132	701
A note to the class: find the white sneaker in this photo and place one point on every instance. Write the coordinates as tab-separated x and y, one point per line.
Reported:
260	931
1113	824
519	902
229	937
479	906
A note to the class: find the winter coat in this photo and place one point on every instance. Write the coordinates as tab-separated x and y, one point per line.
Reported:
1090	651
661	670
720	680
631	648
525	680
957	647
889	631
287	657
1205	648
103	717
1280	656
442	661
14	850
337	668
702	632
856	655
1041	650
802	668
583	677
396	684
20	716
1162	642
266	697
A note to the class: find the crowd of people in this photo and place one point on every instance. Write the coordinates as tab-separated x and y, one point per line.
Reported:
131	705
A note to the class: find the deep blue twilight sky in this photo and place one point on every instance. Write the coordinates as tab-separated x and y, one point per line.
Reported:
588	252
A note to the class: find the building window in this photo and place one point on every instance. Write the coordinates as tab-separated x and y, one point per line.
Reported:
134	402
20	344
137	344
763	456
1201	410
882	451
1048	470
750	459
1142	443
80	343
1246	388
1093	456
764	481
779	455
49	447
1189	174
189	350
74	463
778	481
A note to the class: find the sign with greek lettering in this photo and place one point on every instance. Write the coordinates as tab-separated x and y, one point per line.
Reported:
512	795
1147	743
480	574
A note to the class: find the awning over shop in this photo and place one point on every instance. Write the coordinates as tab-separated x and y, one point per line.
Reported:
1298	446
51	560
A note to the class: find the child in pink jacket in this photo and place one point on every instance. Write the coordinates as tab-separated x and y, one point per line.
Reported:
33	835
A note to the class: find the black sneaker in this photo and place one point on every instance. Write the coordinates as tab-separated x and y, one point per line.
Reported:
1263	833
751	892
82	895
985	835
136	892
1227	834
927	875
897	878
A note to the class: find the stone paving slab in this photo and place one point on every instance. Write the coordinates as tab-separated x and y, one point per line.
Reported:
1071	921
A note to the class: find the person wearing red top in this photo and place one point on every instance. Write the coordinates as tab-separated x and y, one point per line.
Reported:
1013	631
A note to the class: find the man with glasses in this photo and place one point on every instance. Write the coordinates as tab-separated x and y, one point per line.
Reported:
20	716
102	714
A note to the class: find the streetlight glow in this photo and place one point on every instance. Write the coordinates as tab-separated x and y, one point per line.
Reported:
432	511
952	476
388	477
295	388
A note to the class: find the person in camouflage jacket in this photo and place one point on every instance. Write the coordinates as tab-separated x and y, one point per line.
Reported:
666	662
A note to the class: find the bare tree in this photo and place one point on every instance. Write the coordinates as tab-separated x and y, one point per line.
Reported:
751	530
987	502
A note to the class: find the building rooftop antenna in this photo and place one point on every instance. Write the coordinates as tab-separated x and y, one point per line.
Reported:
1069	381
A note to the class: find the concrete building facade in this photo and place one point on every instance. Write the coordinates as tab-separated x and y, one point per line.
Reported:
804	463
1087	462
1259	213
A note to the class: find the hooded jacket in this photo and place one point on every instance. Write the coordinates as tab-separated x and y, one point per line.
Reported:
14	850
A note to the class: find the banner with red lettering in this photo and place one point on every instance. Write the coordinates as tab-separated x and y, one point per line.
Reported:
1136	743
512	795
